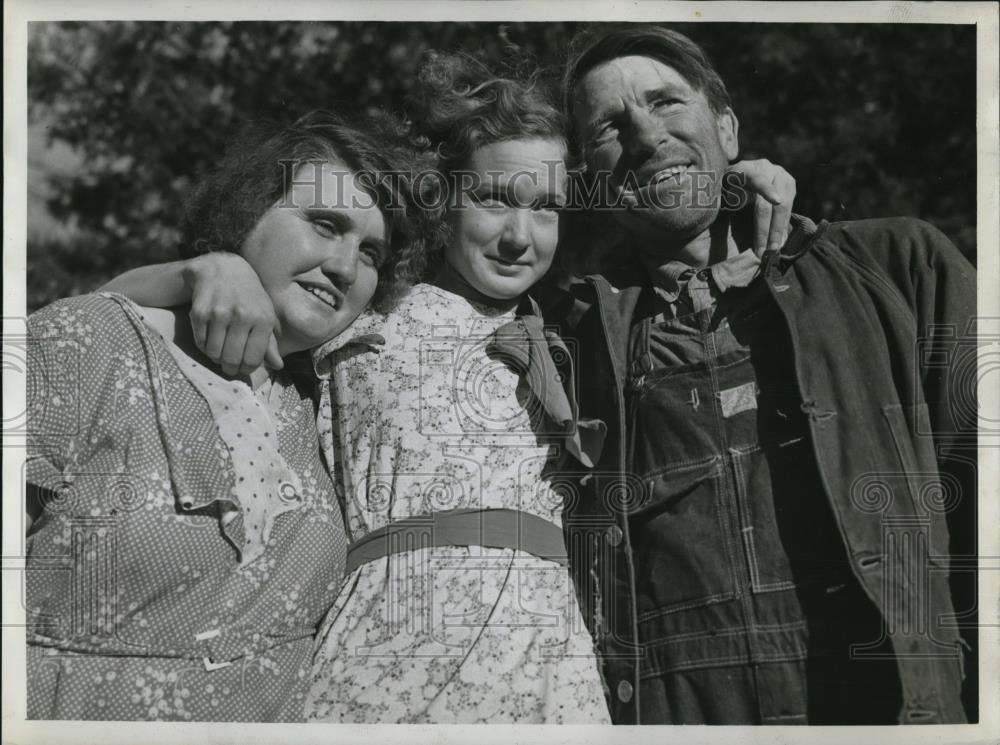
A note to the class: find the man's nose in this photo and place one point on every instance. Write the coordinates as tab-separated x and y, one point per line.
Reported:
341	264
645	133
516	237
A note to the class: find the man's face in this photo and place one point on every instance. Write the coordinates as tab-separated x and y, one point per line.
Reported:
643	123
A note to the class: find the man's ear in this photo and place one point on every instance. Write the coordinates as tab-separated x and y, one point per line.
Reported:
729	129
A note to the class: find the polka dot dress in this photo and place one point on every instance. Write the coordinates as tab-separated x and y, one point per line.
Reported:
156	587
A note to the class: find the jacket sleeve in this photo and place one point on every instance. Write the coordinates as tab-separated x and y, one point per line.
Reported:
938	284
945	289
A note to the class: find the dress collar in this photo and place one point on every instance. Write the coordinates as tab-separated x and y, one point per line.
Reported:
365	331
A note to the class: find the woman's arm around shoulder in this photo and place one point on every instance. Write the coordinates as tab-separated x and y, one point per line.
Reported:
232	317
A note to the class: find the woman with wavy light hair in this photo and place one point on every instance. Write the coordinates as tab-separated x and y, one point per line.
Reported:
458	606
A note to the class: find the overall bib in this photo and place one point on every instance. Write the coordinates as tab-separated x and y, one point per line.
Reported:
748	612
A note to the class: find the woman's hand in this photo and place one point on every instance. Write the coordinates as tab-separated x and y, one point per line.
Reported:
232	316
774	191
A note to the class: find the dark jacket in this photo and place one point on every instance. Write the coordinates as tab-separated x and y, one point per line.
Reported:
878	314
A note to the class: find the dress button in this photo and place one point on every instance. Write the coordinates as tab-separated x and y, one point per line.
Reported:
624	691
702	275
287	492
613	535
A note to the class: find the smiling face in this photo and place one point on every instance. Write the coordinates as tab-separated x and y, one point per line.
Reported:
642	122
317	253
505	230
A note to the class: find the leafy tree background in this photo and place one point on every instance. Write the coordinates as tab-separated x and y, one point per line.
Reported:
872	120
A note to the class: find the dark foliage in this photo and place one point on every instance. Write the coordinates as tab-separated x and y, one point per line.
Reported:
873	120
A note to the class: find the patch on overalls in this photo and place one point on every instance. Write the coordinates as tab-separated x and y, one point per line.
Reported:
741	398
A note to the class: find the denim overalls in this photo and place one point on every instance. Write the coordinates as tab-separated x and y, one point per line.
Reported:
746	604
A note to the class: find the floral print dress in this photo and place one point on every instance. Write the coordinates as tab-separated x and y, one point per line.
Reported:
421	420
190	541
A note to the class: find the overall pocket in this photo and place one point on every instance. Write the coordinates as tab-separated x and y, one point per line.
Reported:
767	563
682	556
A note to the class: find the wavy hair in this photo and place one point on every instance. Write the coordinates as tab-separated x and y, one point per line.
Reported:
252	176
458	105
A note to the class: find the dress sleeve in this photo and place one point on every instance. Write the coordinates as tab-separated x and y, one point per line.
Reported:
76	352
116	419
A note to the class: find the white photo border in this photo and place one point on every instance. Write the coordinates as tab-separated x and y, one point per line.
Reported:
17	15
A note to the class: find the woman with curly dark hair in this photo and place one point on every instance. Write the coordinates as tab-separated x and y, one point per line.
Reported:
184	538
232	317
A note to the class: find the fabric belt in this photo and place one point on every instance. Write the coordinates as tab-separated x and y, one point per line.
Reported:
491	528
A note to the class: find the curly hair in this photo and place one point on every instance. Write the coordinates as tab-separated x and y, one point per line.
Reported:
252	177
458	105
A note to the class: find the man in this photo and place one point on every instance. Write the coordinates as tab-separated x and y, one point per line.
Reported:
766	538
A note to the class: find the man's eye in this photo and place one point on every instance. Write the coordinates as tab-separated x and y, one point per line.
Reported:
604	133
547	208
491	201
662	103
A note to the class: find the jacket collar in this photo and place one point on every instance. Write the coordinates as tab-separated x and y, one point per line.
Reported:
616	304
801	236
618	291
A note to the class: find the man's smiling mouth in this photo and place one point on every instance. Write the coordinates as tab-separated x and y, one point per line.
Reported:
671	172
647	181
